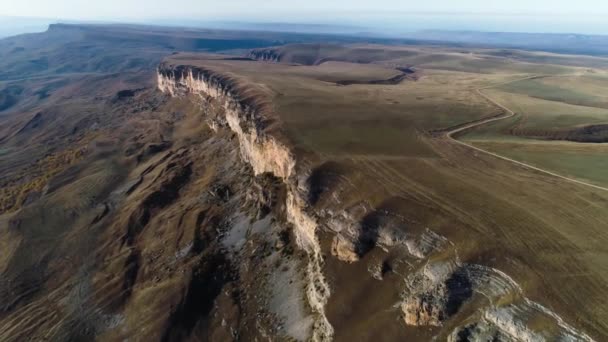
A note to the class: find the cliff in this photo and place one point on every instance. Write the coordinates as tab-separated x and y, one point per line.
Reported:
434	293
244	115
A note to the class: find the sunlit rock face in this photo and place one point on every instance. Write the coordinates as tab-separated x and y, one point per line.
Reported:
265	154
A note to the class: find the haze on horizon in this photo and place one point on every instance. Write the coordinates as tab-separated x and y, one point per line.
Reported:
583	16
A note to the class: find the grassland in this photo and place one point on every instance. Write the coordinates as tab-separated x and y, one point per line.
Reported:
575	90
104	241
546	232
360	119
547	108
575	160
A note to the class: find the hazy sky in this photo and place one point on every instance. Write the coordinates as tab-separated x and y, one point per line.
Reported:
505	15
120	9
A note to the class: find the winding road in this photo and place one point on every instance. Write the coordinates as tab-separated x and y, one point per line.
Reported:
509	114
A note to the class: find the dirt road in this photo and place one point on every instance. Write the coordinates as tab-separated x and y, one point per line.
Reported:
509	114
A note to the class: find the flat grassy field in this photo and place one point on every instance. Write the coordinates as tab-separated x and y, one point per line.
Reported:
539	88
588	90
576	160
544	108
328	118
539	114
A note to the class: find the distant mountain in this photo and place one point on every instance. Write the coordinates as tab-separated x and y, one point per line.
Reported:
10	26
279	33
552	42
572	43
268	26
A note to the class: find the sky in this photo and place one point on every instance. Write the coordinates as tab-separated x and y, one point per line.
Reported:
584	16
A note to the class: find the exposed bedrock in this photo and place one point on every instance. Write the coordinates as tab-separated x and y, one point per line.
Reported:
441	290
244	114
362	228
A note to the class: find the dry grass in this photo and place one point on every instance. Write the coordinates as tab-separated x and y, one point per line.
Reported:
359	119
548	233
15	193
71	254
548	109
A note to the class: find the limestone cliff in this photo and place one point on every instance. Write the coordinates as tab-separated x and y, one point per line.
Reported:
266	154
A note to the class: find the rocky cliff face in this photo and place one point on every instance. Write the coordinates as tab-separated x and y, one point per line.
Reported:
478	302
265	154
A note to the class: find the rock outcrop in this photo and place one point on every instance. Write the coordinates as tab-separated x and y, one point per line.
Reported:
245	116
442	288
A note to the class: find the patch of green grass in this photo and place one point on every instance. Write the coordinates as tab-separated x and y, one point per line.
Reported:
489	65
536	115
543	90
581	161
